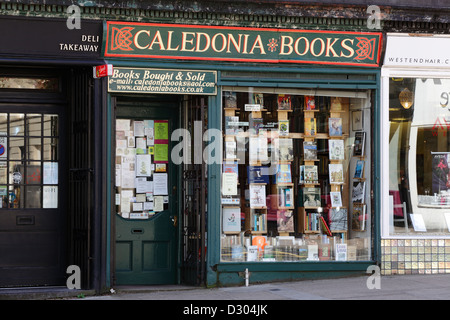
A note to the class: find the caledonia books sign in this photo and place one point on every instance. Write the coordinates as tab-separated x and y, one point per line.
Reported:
238	44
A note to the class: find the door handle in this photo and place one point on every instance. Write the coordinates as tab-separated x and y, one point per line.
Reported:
174	220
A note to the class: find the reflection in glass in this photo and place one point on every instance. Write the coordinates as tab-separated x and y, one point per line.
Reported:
34	125
50	125
50	149
16	124
32	197
16	148
419	157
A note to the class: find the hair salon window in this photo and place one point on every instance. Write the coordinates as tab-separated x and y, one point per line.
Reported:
296	175
419	156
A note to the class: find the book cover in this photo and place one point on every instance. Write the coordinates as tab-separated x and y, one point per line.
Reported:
336	173
310	103
231	219
311	174
284	102
231	125
283	127
335	127
336	199
230	167
255	125
338	219
258	148
285	149
285	221
285	197
358	191
359	217
336	149
258	98
359	169
257	195
325	227
230	149
341	251
230	99
257	174
310	126
358	150
283	174
311	197
310	150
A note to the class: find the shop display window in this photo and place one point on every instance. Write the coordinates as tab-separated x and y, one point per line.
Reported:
419	157
296	175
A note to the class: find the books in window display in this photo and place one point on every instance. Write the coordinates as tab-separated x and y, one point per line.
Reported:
284	102
338	218
336	172
230	167
310	127
231	125
257	195
255	125
360	138
230	99
359	169
284	149
286	197
336	199
335	127
358	191
259	219
285	221
231	219
336	149
310	103
311	197
283	174
257	174
359	217
310	150
230	149
258	98
283	127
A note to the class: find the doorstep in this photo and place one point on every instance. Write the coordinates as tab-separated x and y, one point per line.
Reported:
41	293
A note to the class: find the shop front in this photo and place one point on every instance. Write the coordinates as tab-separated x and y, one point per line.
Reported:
241	151
47	163
415	220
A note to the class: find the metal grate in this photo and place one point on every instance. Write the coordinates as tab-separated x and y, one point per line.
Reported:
80	174
194	199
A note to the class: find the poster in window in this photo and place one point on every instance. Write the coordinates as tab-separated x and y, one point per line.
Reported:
440	171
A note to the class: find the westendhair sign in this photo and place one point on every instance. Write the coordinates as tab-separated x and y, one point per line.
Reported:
214	43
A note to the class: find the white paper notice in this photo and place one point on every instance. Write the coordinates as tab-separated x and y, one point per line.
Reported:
126	196
158	204
138	206
160	184
50	172
50	197
143	186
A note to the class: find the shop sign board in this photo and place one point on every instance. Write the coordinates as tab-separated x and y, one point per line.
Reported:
239	44
146	80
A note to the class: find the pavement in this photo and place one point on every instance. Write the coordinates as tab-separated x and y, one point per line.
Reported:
392	287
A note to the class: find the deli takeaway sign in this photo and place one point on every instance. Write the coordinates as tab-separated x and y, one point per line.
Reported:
238	44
